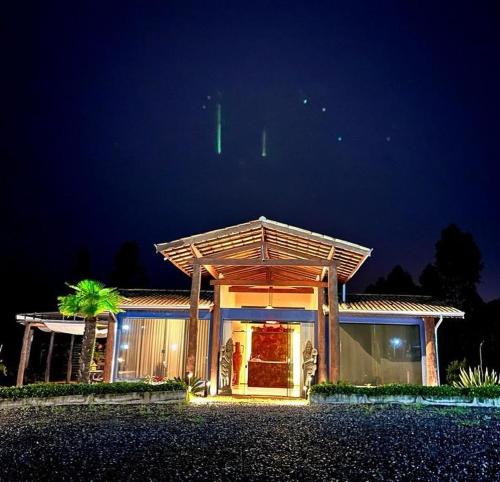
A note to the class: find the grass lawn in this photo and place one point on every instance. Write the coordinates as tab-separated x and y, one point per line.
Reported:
238	441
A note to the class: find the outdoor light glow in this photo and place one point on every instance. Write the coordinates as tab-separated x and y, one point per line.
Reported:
173	347
219	129
264	143
125	347
305	101
395	342
125	327
121	360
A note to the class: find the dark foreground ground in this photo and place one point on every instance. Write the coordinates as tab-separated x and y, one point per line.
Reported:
249	442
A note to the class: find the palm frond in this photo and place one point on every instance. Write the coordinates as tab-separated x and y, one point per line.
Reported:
90	299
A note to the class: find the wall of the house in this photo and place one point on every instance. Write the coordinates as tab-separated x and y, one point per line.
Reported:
231	299
157	347
376	350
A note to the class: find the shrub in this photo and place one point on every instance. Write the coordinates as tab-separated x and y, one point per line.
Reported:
477	378
195	385
453	371
443	391
44	390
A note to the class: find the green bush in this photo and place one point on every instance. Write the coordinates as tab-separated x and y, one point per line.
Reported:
443	391
60	389
453	371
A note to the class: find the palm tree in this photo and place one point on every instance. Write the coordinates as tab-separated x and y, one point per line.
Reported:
89	300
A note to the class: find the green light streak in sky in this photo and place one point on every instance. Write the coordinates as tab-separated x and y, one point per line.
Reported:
219	129
264	143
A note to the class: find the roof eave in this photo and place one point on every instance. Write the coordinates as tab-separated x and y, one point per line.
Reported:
420	314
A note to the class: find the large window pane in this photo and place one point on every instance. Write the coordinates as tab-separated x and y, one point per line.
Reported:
378	354
151	347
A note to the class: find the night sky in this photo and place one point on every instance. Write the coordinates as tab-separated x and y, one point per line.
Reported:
108	114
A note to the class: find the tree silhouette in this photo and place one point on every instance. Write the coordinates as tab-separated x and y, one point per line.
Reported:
456	270
128	271
397	282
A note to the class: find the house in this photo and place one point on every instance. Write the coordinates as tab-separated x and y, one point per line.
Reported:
276	319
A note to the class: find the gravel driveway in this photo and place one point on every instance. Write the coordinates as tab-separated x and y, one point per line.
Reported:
249	442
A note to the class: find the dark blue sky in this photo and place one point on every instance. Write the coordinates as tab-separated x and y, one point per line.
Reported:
105	137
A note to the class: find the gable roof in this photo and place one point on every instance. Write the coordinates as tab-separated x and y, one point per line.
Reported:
263	238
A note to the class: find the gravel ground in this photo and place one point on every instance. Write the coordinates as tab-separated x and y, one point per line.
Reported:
249	442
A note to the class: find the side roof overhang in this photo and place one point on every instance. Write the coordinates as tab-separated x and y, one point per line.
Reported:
397	305
264	239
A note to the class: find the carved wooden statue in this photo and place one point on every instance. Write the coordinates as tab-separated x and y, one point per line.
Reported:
310	364
226	367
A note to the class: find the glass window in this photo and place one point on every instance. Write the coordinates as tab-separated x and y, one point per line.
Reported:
375	354
151	347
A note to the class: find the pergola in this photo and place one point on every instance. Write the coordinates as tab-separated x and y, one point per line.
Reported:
54	322
265	253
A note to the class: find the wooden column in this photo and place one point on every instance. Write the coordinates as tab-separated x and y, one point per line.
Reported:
214	355
430	352
70	359
333	323
109	355
193	319
49	357
25	353
322	369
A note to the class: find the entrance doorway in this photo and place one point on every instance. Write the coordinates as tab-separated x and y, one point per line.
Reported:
266	357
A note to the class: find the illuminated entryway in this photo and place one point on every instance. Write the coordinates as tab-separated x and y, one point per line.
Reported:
267	358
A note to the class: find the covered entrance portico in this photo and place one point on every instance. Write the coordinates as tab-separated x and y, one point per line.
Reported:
277	355
265	271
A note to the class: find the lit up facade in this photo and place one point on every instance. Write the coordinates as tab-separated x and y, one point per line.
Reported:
275	319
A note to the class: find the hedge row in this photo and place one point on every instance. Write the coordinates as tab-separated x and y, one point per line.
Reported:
443	391
61	389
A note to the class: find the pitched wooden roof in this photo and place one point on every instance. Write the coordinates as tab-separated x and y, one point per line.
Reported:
364	304
398	305
265	239
154	299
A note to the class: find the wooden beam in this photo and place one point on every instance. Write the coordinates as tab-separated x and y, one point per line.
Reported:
430	352
240	282
333	323
246	289
25	350
330	256
238	249
291	251
215	348
69	368
193	319
321	344
49	357
109	355
262	262
209	268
